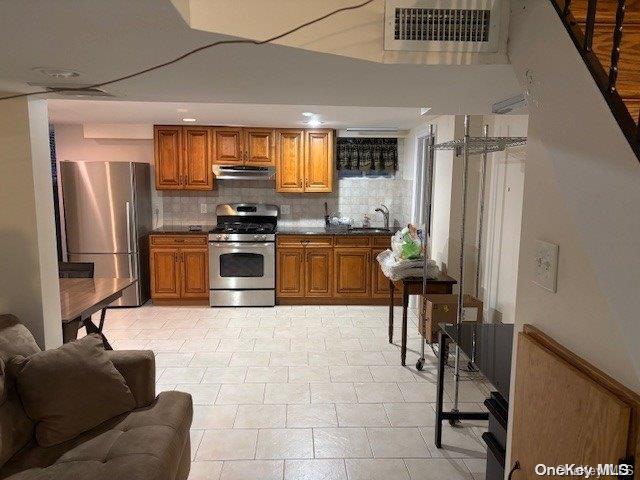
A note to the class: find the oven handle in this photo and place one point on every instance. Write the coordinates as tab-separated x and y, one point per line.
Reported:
241	244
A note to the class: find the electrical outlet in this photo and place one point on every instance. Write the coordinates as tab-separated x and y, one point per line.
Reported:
546	266
285	209
203	208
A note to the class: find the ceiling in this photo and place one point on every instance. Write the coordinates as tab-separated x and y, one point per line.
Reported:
97	111
103	40
359	33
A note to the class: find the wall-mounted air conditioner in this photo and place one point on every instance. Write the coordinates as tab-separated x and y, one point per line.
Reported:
442	25
372	132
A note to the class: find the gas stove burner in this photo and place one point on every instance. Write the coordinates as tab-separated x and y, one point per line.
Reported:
238	227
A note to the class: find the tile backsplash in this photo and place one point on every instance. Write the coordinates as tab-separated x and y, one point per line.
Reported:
352	197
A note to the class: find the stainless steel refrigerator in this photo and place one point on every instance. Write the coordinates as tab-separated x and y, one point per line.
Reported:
107	216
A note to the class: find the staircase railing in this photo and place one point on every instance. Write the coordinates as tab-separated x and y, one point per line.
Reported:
583	38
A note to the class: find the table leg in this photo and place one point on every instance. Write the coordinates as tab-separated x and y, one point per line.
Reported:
93	328
70	330
405	307
392	288
442	360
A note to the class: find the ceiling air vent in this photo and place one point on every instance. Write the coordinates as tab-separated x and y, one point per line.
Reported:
79	91
442	25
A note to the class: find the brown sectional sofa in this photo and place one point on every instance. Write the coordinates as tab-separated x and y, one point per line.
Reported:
149	443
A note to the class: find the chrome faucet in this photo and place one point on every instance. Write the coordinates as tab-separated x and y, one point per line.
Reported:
385	213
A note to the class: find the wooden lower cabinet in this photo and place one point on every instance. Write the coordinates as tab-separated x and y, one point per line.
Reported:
290	272
195	273
165	276
352	272
379	283
318	263
179	268
326	269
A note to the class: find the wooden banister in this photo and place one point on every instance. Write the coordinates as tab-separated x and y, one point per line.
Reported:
607	35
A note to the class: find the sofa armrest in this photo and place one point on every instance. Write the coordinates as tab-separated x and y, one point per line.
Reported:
138	367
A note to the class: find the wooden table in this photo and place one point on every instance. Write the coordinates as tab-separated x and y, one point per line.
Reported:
413	286
82	297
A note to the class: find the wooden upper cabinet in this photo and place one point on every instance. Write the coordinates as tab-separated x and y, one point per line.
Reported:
165	276
228	146
183	158
168	157
290	268
290	161
318	161
195	272
259	147
197	158
352	267
304	161
318	272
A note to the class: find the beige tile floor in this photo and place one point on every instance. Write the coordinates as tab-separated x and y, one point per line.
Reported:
303	393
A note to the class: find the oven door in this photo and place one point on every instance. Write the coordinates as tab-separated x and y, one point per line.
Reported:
242	265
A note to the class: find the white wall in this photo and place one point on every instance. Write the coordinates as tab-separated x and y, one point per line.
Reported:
441	197
29	285
71	145
503	211
502	221
582	191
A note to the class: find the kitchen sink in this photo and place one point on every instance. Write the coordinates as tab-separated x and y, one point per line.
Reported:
369	230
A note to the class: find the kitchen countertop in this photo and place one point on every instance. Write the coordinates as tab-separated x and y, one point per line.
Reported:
302	230
180	230
297	230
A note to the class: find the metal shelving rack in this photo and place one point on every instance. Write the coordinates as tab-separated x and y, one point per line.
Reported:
481	145
464	147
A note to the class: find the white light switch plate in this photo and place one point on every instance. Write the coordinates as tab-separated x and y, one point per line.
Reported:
285	209
546	265
203	208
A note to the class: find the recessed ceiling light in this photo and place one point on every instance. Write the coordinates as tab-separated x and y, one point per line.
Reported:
190	120
308	114
58	72
314	123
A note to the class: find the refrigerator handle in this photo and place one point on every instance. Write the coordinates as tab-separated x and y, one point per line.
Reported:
127	207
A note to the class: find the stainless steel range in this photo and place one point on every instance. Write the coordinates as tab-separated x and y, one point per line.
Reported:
242	256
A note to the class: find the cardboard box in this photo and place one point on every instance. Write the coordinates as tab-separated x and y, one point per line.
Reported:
436	309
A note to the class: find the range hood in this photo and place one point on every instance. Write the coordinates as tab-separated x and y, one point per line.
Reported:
240	172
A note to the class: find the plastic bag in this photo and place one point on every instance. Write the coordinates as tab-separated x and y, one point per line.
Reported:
407	244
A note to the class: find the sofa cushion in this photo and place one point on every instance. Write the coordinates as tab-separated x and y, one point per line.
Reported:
15	338
16	429
145	444
70	389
